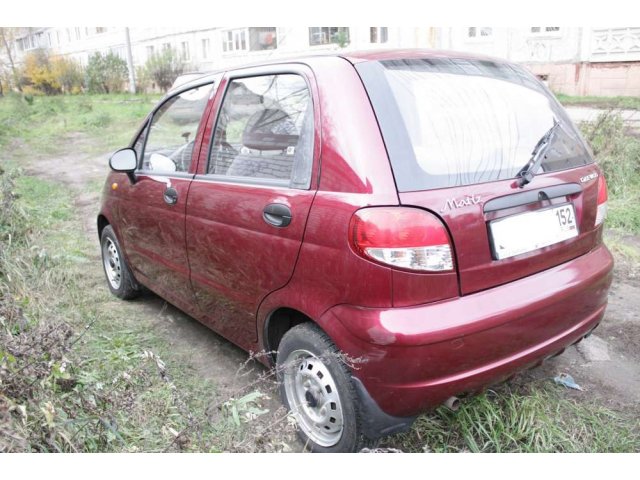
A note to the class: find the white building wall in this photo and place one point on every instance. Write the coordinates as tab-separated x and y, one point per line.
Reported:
519	44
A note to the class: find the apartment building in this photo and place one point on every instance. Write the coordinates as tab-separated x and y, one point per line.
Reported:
213	48
572	60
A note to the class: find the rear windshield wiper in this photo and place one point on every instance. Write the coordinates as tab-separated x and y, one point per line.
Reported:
527	173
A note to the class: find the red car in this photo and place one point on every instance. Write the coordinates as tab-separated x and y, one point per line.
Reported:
396	228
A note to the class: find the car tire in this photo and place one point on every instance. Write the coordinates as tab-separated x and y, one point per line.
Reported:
315	385
119	277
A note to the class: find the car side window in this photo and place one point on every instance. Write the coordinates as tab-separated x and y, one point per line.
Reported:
172	134
138	146
265	131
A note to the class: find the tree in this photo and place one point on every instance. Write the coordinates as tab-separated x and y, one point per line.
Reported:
341	38
106	73
163	68
7	35
38	73
68	74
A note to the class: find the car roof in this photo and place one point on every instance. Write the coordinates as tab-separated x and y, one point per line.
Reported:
353	57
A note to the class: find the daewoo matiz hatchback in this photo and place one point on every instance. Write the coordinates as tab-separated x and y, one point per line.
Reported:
395	228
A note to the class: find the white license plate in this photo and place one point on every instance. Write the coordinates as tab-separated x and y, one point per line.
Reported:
531	231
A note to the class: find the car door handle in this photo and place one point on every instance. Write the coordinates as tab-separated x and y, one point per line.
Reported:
277	214
170	196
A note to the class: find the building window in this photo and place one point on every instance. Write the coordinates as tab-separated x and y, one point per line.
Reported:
205	47
327	35
378	34
254	39
479	32
101	29
166	46
543	30
77	33
185	51
234	40
263	38
150	51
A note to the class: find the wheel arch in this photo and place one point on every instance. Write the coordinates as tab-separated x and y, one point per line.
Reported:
276	324
102	221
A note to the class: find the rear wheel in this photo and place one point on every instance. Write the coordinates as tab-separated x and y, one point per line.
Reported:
315	385
119	277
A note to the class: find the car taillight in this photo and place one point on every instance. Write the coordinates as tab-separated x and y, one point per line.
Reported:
602	200
401	237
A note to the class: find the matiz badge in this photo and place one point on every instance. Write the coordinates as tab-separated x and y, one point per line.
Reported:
460	202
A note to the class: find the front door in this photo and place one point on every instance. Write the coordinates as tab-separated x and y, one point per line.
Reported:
247	210
153	213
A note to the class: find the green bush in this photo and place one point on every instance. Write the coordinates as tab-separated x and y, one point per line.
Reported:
106	73
68	73
618	153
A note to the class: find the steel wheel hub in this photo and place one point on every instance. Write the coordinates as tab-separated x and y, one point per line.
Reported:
112	266
313	398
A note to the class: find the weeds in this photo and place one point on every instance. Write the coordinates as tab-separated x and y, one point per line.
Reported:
618	153
77	374
534	418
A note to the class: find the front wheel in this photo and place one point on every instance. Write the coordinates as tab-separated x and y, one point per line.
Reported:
316	386
119	277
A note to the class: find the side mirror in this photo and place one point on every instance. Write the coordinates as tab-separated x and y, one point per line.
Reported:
126	161
161	163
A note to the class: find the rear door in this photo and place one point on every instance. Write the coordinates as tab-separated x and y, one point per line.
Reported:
458	133
248	205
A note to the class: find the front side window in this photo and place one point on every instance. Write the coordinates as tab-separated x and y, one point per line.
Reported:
138	145
265	131
173	132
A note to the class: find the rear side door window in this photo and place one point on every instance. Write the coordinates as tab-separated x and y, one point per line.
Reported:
264	133
171	136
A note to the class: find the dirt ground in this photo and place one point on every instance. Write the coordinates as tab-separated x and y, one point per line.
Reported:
606	365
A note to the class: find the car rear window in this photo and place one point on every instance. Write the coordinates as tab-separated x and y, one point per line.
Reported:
453	122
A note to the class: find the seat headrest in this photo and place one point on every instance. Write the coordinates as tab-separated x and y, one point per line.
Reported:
270	129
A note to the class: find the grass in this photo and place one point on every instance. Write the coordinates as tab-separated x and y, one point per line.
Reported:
79	370
45	125
534	418
632	103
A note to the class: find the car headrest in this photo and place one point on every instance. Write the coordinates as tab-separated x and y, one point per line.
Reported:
270	129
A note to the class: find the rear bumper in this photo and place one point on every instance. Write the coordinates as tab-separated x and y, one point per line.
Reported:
412	359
